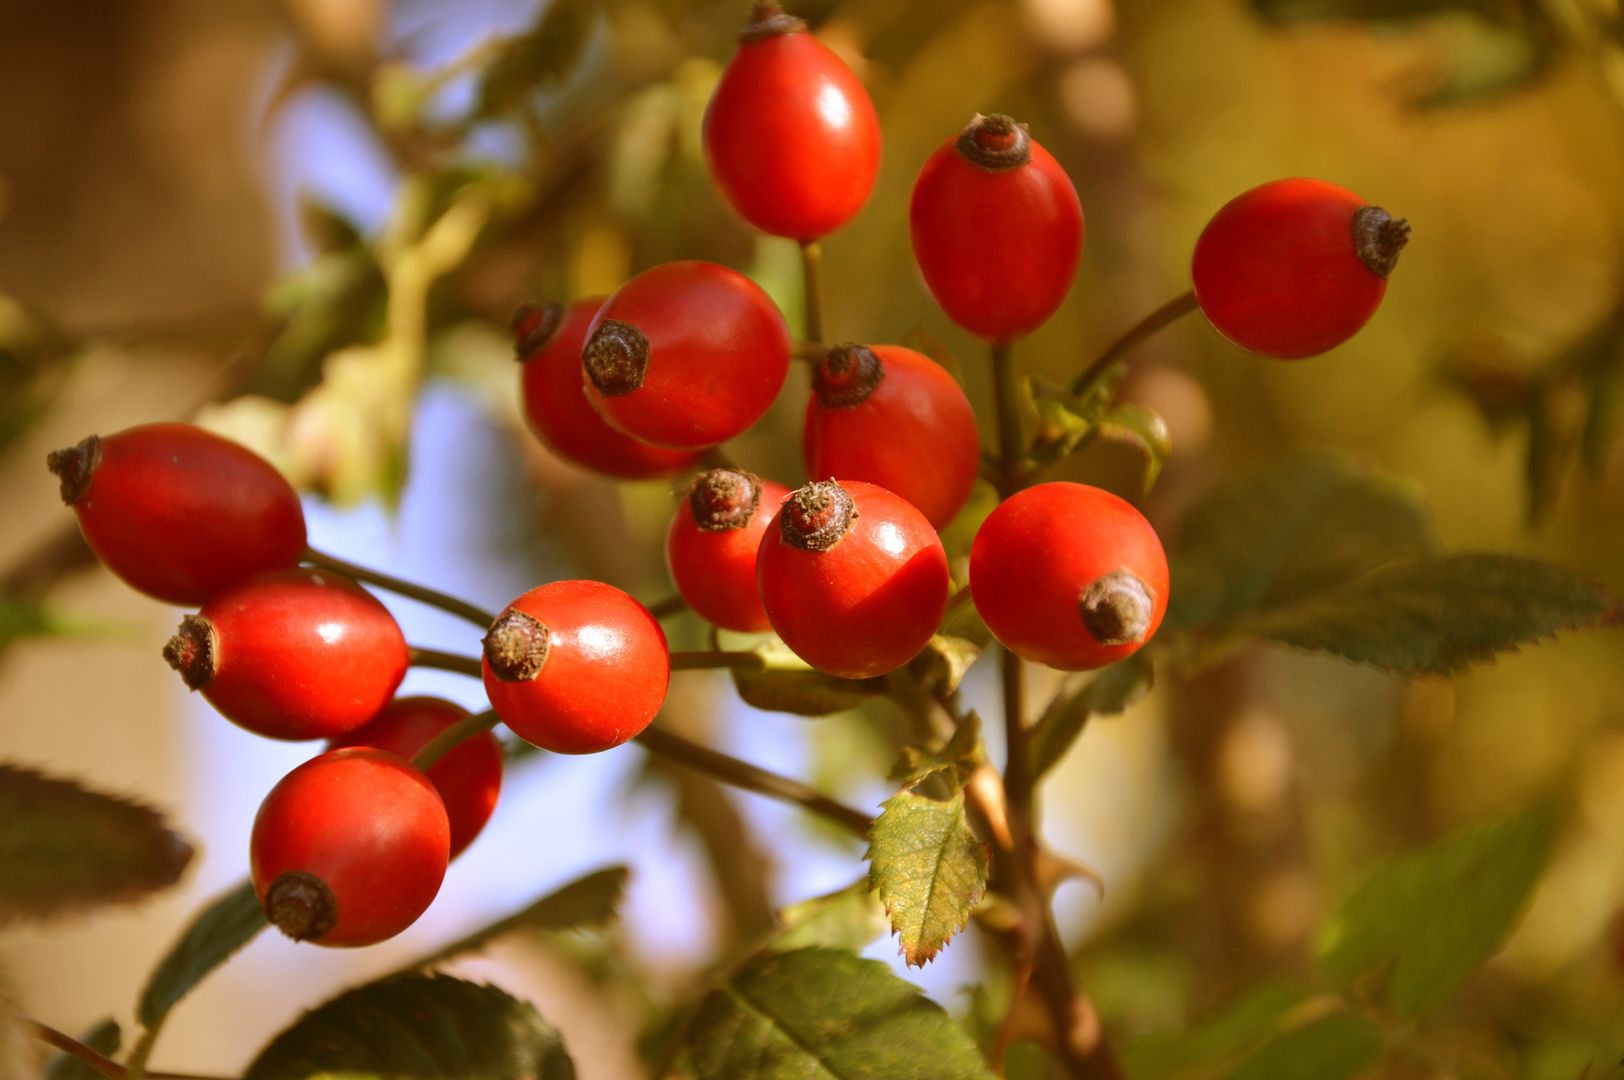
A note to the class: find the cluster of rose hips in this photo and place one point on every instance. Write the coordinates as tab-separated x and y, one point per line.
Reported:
848	570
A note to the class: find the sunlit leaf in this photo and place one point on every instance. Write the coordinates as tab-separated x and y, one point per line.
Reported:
927	868
1429	919
584	903
105	1038
65	849
1135	424
417	1026
1113	690
544	54
218	931
1338	1047
849	919
962	751
1271	537
786	683
1200	1049
1437	616
826	1013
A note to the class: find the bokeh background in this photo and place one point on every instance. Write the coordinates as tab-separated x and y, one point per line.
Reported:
221	210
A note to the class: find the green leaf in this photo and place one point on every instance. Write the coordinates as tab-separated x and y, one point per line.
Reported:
1431	918
785	683
1113	690
1127	422
822	1013
1437	616
1274	536
218	931
544	54
850	919
584	903
1488	57
1337	1047
927	868
22	618
1195	1052
418	1026
65	848
105	1038
963	752
1312	10
944	661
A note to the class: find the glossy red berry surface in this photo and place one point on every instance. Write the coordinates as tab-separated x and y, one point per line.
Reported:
178	512
576	666
853	578
1295	267
997	229
893	417
349	848
790	134
687	354
549	340
1069	575
468	777
711	545
296	654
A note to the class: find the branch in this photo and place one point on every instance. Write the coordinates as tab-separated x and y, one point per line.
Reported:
474	614
741	774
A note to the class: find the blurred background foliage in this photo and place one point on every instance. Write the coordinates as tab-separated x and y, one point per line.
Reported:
167	249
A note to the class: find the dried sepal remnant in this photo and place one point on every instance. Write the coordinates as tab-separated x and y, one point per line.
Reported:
817	516
74	465
192	651
300	905
995	142
616	358
516	646
1118	608
724	499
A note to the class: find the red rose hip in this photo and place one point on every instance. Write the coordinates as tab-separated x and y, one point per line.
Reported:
576	667
349	848
790	134
853	578
686	354
468	777
710	548
893	417
997	229
1069	575
1295	267
548	340
178	512
297	654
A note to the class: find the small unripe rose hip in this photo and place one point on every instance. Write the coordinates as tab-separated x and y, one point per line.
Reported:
296	654
686	354
1069	575
548	341
178	512
1295	267
790	134
349	848
710	548
893	417
997	229
469	775
853	578
576	667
